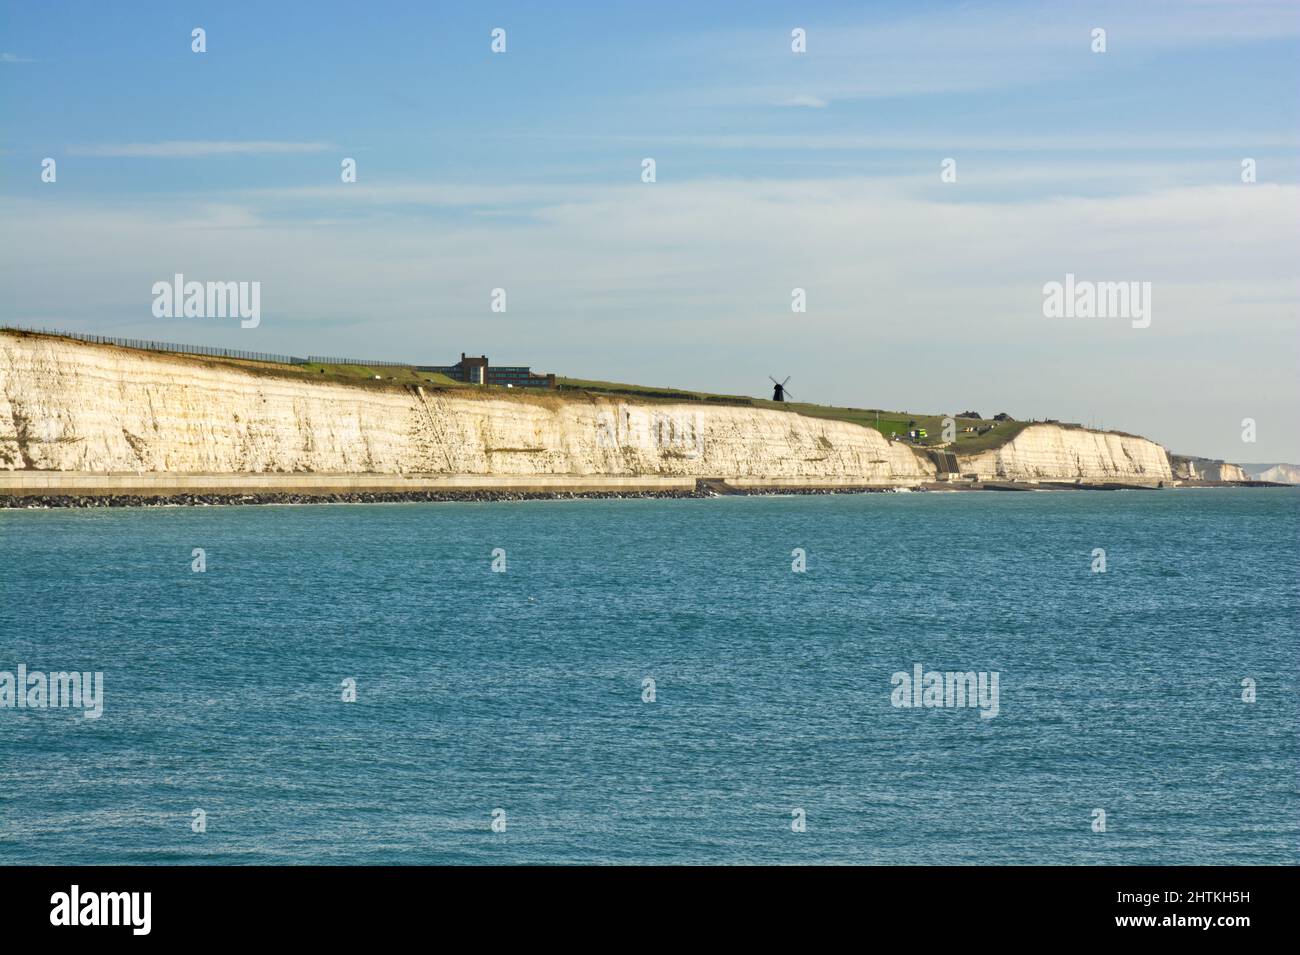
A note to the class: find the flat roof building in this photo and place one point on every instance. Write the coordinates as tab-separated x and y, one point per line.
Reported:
478	371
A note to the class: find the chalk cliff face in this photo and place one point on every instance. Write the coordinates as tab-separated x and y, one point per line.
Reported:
69	406
1051	452
1278	473
74	407
1205	469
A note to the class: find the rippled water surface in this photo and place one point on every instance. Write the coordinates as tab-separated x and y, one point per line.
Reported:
522	690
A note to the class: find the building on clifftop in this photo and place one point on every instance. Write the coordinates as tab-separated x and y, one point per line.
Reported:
478	371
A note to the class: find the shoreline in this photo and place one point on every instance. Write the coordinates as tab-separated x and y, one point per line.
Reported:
99	497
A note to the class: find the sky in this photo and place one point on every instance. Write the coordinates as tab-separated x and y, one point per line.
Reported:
774	170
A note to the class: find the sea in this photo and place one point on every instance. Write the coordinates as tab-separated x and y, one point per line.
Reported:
658	681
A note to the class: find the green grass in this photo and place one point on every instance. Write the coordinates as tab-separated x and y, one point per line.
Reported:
886	422
647	391
898	422
401	376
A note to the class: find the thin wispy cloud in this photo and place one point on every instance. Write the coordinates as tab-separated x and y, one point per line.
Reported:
961	49
811	102
902	142
196	149
888	272
776	170
14	58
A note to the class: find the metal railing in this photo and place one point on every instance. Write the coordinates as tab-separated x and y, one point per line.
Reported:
364	362
215	352
147	345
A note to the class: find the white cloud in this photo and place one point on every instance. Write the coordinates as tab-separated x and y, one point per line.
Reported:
960	48
916	300
191	149
896	142
812	102
411	194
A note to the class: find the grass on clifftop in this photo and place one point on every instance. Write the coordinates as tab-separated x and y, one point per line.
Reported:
648	391
996	433
397	375
888	423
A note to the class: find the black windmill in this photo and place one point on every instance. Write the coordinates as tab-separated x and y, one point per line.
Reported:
780	391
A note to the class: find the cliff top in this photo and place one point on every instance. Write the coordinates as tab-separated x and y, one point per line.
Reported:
984	433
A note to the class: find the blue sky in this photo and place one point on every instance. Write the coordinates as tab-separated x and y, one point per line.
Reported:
774	171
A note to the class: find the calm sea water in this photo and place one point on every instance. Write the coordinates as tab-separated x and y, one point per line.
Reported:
522	690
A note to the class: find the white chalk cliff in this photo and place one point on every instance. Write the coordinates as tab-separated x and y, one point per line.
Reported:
70	406
1206	469
1279	474
1053	452
75	407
